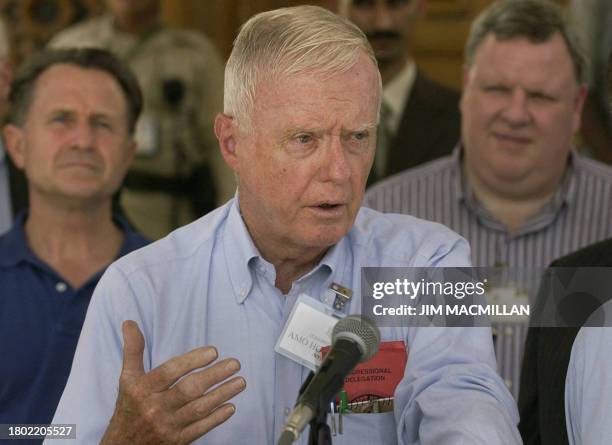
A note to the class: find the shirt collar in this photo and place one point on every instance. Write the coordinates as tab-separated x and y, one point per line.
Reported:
240	252
242	257
563	196
457	173
396	93
14	246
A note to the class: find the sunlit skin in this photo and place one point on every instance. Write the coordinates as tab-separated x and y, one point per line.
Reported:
74	146
520	107
389	26
302	169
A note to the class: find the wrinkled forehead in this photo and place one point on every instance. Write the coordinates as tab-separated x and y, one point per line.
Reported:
69	75
553	48
62	83
344	101
555	43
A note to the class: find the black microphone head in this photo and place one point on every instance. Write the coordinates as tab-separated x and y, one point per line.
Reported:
361	331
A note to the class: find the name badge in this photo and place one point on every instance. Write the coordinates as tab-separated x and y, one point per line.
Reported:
147	136
308	329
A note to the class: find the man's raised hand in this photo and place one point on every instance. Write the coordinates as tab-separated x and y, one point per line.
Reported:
165	405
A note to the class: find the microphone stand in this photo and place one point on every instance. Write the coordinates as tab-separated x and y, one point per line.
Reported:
319	429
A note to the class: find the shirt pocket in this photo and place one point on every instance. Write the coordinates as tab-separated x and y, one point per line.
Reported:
367	429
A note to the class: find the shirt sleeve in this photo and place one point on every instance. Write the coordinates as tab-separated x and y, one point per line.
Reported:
451	392
588	387
88	401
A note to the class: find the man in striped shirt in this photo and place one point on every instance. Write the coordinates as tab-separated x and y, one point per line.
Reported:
513	186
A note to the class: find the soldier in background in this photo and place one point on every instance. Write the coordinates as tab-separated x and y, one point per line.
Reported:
178	174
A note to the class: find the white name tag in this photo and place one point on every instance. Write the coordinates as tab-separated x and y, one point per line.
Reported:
307	330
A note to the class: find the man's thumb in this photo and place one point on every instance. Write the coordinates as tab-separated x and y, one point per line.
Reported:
133	349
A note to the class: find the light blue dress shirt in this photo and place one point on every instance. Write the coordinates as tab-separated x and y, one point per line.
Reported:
206	284
588	386
6	213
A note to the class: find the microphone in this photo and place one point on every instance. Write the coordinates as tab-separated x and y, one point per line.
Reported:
354	340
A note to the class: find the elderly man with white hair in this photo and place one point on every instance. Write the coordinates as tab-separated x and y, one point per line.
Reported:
302	96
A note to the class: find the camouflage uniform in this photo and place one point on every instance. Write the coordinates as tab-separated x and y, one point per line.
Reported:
181	76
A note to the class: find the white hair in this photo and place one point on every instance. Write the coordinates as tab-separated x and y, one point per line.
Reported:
285	42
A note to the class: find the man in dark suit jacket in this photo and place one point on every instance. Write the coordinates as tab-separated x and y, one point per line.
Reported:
420	118
429	126
547	356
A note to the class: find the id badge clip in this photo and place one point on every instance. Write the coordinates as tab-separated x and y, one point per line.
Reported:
342	295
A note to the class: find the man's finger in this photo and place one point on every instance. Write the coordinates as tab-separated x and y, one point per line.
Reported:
201	427
169	372
205	404
195	385
133	349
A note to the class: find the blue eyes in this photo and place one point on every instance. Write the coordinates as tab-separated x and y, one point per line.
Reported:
497	90
359	136
60	119
102	124
540	97
304	144
304	138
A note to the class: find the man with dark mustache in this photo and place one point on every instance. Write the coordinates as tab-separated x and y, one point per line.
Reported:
419	117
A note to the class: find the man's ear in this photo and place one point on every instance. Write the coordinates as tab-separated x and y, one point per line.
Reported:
578	107
131	147
464	81
14	144
226	132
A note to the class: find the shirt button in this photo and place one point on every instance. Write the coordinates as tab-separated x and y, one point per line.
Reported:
61	287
